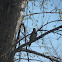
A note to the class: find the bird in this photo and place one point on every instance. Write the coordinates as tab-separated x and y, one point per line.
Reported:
32	36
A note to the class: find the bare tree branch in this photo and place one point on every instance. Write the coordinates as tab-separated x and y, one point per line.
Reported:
41	13
29	59
39	29
34	52
41	36
48	23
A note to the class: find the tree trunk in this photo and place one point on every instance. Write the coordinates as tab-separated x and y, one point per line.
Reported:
9	14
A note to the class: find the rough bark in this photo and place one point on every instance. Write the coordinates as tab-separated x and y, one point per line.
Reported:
9	14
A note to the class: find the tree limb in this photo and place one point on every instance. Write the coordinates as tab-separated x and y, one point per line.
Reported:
41	36
34	52
40	29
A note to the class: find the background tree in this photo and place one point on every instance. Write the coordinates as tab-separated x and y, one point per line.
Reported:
11	12
10	20
46	17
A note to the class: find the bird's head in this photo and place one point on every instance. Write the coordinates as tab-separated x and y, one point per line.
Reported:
34	30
